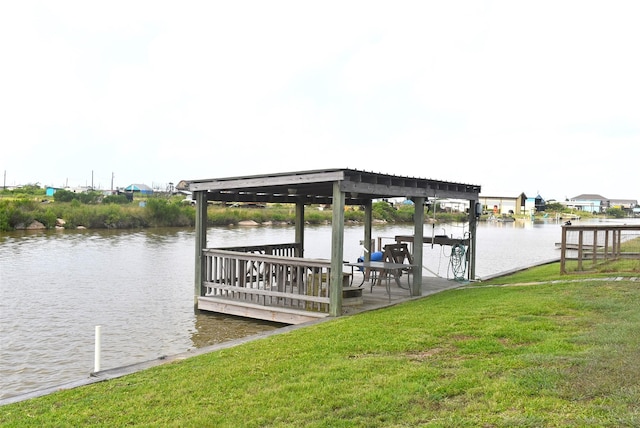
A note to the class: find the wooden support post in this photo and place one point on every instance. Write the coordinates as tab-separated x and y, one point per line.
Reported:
337	251
580	249
300	227
368	220
201	243
563	251
418	221
473	219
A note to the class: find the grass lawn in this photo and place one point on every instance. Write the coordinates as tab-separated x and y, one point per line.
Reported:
555	354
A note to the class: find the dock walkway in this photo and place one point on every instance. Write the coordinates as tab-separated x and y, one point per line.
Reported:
376	297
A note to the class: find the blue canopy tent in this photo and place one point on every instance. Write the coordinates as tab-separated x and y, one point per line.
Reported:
142	188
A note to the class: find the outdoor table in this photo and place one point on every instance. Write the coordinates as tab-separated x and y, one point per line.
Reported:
386	270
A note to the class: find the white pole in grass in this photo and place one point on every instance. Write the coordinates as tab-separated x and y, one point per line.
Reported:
96	358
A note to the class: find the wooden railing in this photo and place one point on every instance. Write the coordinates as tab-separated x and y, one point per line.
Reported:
283	250
249	275
585	248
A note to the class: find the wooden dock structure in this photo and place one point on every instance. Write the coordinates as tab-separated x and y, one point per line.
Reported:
278	283
292	290
585	247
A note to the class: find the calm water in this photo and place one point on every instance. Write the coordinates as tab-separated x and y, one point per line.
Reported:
55	287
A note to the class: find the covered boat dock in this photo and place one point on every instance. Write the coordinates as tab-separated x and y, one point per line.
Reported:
276	282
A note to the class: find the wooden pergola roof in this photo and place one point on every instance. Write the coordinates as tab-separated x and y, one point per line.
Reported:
316	187
338	187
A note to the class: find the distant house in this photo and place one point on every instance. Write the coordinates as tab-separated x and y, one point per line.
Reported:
50	191
451	205
597	203
623	204
535	205
143	189
592	203
504	204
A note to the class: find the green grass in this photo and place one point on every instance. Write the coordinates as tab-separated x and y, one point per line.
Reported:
551	272
556	354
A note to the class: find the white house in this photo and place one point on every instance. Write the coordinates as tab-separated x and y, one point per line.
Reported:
597	203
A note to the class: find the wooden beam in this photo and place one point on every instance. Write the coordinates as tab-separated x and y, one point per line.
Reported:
368	220
418	224
473	221
300	227
337	251
201	243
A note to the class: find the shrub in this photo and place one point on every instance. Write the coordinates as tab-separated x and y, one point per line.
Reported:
317	217
19	212
354	215
116	199
63	196
384	211
404	213
77	216
615	213
84	197
5	224
161	212
47	217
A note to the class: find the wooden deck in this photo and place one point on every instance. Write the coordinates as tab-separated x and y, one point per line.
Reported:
267	282
377	297
372	298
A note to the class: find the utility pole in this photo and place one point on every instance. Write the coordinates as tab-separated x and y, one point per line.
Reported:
112	182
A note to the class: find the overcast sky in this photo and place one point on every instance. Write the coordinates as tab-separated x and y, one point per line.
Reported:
540	97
